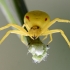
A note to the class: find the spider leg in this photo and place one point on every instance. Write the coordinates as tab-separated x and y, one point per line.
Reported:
53	21
50	39
15	26
11	31
58	20
45	37
56	31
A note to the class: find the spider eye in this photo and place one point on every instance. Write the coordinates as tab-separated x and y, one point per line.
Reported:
27	17
37	27
34	37
45	19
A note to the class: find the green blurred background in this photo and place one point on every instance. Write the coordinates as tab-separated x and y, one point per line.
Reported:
13	53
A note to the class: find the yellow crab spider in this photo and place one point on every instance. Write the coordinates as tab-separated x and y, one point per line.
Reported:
37	24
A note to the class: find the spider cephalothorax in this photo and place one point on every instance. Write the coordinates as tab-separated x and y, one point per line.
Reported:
35	21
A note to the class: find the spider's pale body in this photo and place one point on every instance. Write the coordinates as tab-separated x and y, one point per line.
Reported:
37	24
35	21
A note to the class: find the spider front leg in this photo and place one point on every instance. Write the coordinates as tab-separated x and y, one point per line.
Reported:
53	21
15	26
57	20
56	31
11	31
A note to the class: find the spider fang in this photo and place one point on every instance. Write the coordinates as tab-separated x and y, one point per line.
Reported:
34	37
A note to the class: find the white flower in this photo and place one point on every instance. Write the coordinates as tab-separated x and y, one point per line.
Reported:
39	53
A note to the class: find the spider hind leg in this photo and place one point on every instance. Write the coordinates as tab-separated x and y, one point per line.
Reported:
10	31
62	33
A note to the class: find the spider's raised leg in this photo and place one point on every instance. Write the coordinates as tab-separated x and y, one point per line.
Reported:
11	31
62	33
57	20
15	26
53	21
